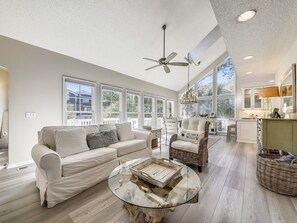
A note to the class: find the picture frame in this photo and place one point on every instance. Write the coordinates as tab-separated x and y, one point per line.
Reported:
288	91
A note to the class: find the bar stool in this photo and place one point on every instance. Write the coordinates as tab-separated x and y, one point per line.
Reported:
231	131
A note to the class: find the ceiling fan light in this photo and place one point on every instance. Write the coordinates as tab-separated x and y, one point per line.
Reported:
247	15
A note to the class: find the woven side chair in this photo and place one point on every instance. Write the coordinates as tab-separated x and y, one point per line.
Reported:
190	153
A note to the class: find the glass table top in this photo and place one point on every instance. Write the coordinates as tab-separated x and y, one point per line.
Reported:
135	191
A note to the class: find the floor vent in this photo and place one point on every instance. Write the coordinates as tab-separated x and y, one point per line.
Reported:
22	168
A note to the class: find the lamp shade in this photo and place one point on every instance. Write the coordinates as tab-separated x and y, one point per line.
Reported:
269	92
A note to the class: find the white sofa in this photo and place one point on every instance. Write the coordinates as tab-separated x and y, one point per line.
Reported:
59	179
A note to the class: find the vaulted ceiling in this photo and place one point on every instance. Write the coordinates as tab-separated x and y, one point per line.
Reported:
268	36
117	34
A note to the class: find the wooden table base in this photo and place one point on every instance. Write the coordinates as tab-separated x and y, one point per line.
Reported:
146	215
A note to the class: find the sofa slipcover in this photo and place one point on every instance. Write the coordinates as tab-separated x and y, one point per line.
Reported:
86	160
130	146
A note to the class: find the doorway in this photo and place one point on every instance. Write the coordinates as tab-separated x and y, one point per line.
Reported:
3	116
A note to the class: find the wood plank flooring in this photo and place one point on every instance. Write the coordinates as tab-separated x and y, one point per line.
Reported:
230	193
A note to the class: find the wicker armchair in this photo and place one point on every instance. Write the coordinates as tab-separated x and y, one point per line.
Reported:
198	157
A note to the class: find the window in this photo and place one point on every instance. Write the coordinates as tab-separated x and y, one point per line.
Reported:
160	104
111	105
225	94
148	108
170	109
204	86
225	78
251	99
204	89
79	102
225	108
133	108
204	106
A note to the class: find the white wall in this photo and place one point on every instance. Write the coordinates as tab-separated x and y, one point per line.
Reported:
286	63
35	84
3	92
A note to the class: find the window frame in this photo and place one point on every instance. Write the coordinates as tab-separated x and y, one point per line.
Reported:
79	81
138	94
112	89
153	123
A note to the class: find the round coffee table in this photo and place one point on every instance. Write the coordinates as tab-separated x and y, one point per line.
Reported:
148	203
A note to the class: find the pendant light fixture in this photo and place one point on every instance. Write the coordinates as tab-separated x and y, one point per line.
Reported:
189	97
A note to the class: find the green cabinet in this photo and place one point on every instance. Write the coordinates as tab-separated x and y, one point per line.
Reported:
278	134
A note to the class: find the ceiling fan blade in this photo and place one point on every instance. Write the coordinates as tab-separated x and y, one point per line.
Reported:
150	59
171	56
153	67
166	68
178	64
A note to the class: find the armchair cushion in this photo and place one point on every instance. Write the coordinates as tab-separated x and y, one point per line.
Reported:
194	124
185	146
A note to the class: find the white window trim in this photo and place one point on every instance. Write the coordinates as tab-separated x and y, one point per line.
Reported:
83	82
121	103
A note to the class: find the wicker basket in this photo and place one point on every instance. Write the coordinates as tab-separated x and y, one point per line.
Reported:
280	177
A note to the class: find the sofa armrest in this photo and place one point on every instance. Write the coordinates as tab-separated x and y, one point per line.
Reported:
144	135
47	160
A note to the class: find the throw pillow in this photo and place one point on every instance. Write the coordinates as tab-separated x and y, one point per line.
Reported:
71	141
101	139
108	127
190	136
125	131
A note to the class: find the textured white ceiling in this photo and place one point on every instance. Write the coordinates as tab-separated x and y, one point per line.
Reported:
116	34
268	36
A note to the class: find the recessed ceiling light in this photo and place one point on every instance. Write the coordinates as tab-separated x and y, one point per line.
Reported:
250	72
247	15
271	81
248	57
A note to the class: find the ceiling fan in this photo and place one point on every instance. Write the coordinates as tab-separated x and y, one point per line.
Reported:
165	61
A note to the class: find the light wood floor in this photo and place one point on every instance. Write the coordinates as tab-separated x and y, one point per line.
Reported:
230	193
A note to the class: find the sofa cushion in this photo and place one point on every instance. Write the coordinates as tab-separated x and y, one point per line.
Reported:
185	146
101	139
130	146
125	131
48	134
71	141
86	160
108	127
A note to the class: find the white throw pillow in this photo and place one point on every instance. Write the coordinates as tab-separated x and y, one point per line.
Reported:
71	141
125	131
190	136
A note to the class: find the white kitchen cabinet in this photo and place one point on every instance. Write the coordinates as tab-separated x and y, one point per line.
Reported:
247	130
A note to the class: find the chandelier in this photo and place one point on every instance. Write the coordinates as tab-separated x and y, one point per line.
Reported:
189	97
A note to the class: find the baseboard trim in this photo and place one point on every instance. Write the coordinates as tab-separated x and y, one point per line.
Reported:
19	164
